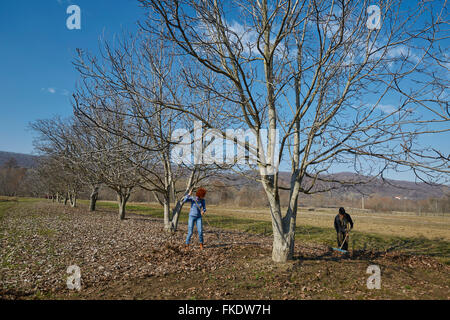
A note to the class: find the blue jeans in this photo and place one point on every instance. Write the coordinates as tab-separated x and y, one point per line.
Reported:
192	221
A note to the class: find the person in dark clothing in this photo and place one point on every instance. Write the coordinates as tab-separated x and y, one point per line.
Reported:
343	224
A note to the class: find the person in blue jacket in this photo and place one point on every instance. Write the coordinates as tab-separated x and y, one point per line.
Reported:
198	209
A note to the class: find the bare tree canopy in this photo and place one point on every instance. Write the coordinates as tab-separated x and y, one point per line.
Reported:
142	73
340	88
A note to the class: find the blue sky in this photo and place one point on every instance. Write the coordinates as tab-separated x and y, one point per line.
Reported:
37	75
37	50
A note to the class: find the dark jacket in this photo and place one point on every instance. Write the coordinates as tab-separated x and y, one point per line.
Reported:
341	226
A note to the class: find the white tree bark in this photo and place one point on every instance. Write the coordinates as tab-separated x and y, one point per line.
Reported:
73	199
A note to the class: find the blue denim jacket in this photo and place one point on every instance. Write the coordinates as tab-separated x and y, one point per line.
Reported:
196	205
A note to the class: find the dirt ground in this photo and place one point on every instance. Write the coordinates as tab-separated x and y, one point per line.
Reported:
136	259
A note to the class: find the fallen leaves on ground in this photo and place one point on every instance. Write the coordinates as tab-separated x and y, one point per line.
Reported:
135	258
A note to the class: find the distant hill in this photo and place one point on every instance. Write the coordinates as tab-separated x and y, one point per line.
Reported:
393	188
23	160
384	188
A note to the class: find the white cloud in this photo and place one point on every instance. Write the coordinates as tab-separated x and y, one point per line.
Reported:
386	108
53	90
247	36
244	38
49	90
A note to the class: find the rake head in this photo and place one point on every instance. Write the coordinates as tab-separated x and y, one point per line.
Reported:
340	250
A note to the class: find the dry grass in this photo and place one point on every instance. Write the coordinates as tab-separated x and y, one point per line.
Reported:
396	224
8	199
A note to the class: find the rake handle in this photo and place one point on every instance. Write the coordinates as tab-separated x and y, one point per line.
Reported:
346	236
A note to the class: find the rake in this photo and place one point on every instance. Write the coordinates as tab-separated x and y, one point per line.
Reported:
209	225
340	249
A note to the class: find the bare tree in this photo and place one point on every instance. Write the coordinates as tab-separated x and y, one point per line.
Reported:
83	146
116	161
84	156
339	89
55	180
54	143
142	71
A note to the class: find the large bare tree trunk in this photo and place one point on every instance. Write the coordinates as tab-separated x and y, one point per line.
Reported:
176	214
283	236
167	222
283	243
283	226
168	185
93	198
171	217
122	206
122	198
73	200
